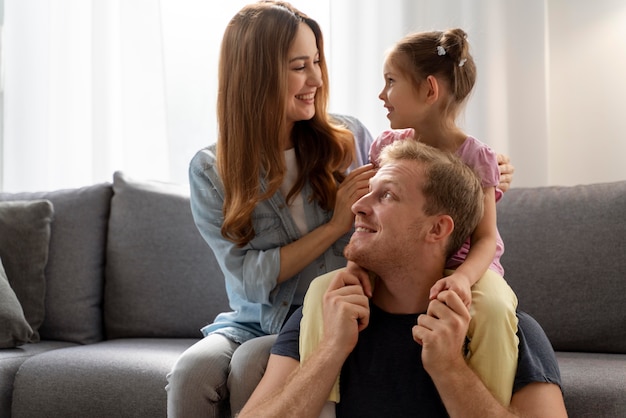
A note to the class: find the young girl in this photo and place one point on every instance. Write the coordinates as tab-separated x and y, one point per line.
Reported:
428	77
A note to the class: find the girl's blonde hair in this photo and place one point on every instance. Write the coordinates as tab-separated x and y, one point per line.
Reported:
443	54
251	113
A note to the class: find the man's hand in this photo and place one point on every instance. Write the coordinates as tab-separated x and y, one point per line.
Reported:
441	332
346	312
455	282
363	275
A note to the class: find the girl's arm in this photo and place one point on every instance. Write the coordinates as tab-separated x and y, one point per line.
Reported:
483	244
480	256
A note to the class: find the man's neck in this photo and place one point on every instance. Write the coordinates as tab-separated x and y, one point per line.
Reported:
404	293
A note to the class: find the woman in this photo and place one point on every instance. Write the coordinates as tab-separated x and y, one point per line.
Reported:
272	198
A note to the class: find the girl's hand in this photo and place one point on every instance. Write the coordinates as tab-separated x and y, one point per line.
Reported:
506	172
456	282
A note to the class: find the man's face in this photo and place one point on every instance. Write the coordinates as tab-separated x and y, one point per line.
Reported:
390	223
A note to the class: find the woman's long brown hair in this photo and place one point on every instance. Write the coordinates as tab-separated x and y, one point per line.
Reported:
251	112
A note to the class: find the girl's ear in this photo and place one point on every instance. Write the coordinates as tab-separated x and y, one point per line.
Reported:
433	89
441	228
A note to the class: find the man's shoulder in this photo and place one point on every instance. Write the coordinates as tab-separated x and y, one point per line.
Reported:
321	283
537	361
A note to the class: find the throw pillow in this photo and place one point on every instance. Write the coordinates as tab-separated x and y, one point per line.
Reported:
162	279
24	239
14	329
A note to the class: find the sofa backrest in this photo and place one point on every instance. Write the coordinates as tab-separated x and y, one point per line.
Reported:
74	274
565	257
162	279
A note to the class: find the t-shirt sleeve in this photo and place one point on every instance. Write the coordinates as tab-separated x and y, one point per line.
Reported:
537	360
287	342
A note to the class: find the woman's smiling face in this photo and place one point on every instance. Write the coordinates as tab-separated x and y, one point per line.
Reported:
305	76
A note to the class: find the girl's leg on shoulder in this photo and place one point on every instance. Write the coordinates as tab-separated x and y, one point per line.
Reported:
493	347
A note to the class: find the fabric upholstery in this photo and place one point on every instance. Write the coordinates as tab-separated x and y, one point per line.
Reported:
14	328
119	378
593	383
162	279
565	257
24	240
10	361
75	269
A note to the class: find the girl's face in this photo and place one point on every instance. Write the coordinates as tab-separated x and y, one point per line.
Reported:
400	97
305	76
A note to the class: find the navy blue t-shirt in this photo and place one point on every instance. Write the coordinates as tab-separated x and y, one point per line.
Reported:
384	376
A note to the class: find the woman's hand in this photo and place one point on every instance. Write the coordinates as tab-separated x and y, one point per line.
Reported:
355	186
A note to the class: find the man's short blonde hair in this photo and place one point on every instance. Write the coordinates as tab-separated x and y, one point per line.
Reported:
450	186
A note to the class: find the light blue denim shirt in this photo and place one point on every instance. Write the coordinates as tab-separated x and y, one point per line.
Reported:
259	306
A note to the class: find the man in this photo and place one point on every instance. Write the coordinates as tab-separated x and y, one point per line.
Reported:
399	353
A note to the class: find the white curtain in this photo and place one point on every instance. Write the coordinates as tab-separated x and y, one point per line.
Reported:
95	86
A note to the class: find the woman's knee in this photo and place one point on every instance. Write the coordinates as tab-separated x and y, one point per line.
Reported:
204	363
251	357
247	368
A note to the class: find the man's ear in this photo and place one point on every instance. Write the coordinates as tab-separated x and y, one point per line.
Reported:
441	228
433	89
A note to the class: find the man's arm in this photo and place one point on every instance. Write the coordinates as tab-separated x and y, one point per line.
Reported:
442	331
539	399
286	389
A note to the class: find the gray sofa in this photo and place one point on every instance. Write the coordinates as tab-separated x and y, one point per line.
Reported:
119	283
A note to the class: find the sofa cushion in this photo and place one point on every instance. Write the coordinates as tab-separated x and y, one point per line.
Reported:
593	384
565	257
119	378
14	328
10	361
162	279
24	240
75	269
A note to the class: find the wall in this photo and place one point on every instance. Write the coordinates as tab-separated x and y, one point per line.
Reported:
587	90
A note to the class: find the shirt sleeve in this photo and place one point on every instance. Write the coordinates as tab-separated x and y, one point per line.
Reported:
387	138
287	344
537	360
250	274
362	138
483	160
